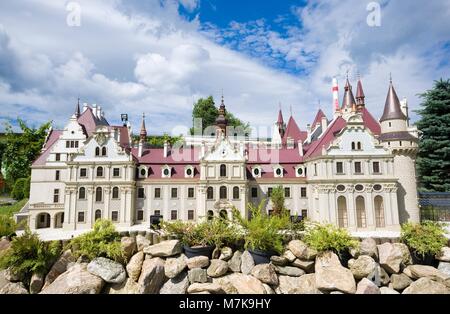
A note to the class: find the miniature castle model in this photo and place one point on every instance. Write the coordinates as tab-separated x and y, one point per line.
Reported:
351	171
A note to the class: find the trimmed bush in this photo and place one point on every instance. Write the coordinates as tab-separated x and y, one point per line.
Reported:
329	238
29	255
426	238
26	188
102	241
18	189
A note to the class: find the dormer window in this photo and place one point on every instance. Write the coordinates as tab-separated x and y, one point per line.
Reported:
299	171
356	146
256	172
100	151
189	172
143	172
278	172
166	172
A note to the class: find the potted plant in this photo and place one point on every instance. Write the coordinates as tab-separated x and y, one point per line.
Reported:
328	237
424	241
262	235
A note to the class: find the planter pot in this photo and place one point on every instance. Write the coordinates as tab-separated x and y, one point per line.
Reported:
344	257
261	257
428	259
198	251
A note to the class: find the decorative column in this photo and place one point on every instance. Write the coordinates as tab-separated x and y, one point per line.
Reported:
106	201
371	219
90	201
352	225
68	215
123	203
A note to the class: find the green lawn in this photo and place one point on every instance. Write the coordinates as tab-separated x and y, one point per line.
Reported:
12	209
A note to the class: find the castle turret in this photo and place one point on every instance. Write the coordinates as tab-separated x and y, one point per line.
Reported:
142	136
360	97
280	123
221	121
403	146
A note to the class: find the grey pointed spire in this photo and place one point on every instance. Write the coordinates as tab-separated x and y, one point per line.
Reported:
392	109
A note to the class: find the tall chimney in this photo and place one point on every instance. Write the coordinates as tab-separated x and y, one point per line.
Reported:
300	147
308	130
141	148
99	112
335	89
166	149
94	110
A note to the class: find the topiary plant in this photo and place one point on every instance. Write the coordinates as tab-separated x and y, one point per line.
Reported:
426	238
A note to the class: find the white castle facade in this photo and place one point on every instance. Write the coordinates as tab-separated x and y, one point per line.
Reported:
351	170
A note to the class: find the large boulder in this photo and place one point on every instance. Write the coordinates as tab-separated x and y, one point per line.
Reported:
177	285
426	286
305	284
363	266
368	246
331	275
290	271
164	249
129	286
246	284
142	242
128	246
381	277
301	250
390	257
76	280
365	286
400	281
406	254
444	268
235	262
266	274
152	276
386	290
226	284
278	260
205	287
109	270
36	283
198	262
444	254
134	265
226	253
247	263
307	266
217	268
174	266
420	271
14	288
197	275
59	267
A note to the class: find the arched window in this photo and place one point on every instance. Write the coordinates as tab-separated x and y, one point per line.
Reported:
97	151
100	172
210	214
236	193
115	193
360	212
98	194
98	214
379	211
223	170
82	193
359	146
104	151
210	193
223	214
223	192
353	146
342	212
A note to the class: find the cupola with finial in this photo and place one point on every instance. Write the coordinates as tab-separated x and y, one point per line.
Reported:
221	121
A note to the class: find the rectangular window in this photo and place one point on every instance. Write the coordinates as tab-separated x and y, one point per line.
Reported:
80	216
57	175
358	167
76	144
115	216
254	192
157	213
72	144
67	144
315	169
287	192
140	215
157	192
56	196
269	192
83	173
304	213
339	167
190	192
376	167
58	157
303	192
116	172
174	193
141	193
173	215
190	215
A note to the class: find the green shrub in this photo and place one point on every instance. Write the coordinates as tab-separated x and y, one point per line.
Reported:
262	232
425	238
329	238
8	226
18	189
26	188
29	255
102	241
216	232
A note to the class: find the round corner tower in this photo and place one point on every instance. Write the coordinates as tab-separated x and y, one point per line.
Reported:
403	146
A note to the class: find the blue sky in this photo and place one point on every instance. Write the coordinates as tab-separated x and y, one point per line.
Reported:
159	56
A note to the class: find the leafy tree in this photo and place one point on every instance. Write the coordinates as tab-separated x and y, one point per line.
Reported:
277	198
206	110
19	188
433	160
21	150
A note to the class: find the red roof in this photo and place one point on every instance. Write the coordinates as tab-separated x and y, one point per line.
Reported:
293	131
280	117
186	156
53	137
318	118
90	122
